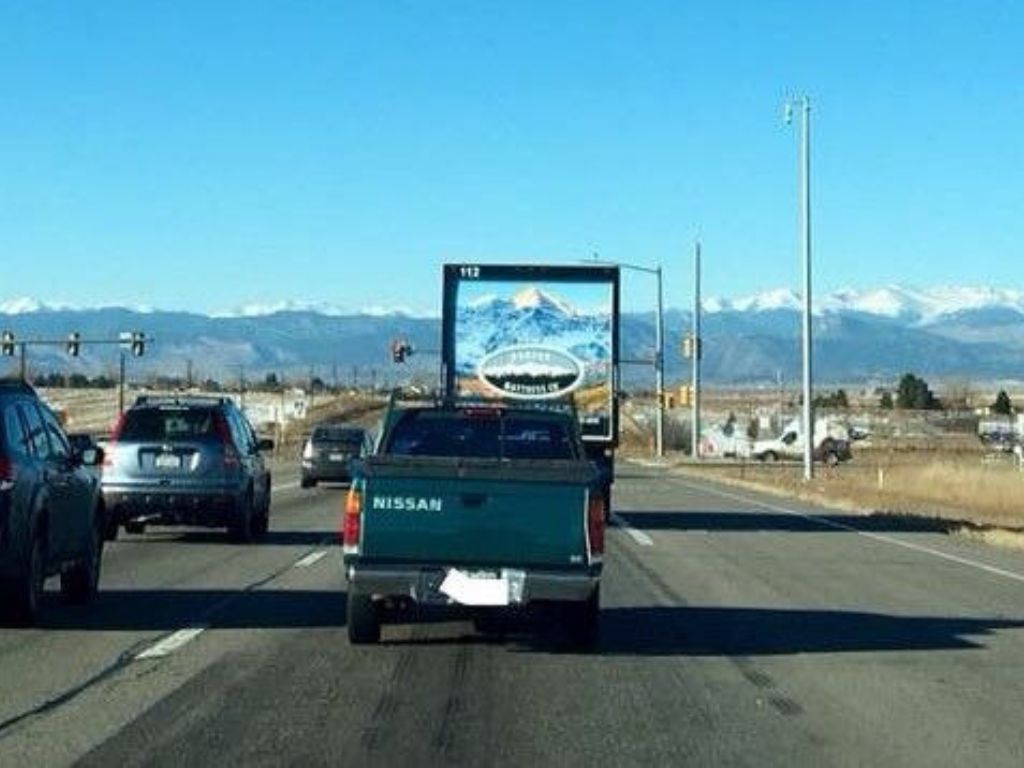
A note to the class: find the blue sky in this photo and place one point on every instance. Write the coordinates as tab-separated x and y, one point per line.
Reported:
205	155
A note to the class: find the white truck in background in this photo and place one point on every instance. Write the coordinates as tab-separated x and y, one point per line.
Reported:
831	443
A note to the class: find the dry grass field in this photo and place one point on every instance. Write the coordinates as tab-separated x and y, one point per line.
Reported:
961	491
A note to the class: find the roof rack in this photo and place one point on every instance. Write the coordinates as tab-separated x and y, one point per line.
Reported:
182	400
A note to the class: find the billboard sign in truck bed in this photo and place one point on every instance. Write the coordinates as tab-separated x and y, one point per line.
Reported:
527	333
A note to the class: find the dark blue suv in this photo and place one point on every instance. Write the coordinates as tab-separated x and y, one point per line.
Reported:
51	512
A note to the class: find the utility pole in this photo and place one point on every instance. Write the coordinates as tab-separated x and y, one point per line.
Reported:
24	362
697	350
188	374
659	367
804	104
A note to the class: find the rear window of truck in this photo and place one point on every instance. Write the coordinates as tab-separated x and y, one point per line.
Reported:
486	436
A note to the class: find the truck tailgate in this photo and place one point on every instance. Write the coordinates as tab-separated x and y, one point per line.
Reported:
483	513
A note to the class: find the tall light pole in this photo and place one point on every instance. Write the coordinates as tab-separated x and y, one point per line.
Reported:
696	351
659	347
804	105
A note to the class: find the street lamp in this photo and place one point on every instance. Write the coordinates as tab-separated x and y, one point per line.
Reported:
804	105
659	348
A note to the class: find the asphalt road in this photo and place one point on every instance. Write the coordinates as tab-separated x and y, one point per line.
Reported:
733	634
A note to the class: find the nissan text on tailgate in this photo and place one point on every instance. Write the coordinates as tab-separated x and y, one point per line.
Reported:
484	507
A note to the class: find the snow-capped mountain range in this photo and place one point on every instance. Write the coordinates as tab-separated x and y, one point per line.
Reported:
921	305
892	301
972	333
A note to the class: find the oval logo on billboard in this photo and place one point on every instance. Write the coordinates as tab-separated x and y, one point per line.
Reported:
531	372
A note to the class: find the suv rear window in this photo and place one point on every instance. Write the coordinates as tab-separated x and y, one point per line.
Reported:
345	436
433	433
168	424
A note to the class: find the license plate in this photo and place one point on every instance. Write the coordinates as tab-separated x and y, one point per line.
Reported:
483	588
337	457
167	461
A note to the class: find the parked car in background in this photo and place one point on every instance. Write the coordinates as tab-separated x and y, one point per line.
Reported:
187	461
329	451
52	516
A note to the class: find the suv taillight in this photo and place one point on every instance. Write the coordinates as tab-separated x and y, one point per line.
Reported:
220	426
595	526
8	473
351	521
115	435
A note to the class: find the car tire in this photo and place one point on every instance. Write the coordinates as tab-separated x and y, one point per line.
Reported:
25	593
831	459
362	619
584	620
134	527
241	527
307	482
80	583
770	456
261	523
110	527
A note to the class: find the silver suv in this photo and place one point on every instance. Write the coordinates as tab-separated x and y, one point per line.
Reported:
186	461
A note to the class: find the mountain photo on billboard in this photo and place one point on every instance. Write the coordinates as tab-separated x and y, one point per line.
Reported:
573	317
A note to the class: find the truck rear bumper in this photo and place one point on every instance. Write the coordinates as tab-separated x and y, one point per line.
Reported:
420	584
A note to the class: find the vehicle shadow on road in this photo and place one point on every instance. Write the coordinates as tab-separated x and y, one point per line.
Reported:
168	609
748	520
217	536
708	631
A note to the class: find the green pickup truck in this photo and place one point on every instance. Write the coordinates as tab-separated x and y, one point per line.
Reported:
485	507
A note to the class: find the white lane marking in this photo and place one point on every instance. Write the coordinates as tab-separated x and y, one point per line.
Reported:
311	559
995	571
638	536
171	643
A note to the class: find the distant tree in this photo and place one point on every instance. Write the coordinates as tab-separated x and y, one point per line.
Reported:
1003	406
886	403
914	393
317	384
212	385
729	428
104	382
78	381
837	399
271	381
754	429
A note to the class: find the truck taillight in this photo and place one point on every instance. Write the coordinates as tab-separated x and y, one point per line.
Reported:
595	525
351	521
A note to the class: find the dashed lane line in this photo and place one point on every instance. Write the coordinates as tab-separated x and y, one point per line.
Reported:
171	643
639	537
311	559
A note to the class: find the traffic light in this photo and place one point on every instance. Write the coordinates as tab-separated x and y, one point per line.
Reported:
400	350
7	344
74	344
690	346
138	343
